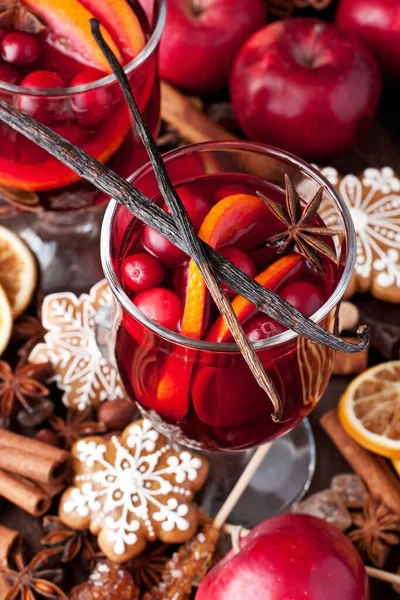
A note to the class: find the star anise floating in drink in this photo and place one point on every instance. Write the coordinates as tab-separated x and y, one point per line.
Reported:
14	14
377	529
22	386
77	424
34	579
299	227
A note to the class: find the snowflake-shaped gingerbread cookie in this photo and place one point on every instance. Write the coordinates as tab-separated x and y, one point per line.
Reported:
70	345
374	202
133	489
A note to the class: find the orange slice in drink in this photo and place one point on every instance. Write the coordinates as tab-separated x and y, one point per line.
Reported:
120	20
69	22
6	321
273	276
18	271
369	409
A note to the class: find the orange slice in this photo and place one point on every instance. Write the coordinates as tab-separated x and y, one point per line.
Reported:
69	22
6	321
273	276
369	409
227	220
18	271
396	464
120	20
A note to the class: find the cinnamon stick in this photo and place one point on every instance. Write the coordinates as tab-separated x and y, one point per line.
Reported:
25	494
53	489
32	459
350	364
8	540
374	471
192	124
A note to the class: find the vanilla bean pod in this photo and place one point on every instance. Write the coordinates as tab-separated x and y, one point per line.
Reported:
186	228
107	181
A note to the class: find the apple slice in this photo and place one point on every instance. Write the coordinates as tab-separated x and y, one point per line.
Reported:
120	20
274	276
69	22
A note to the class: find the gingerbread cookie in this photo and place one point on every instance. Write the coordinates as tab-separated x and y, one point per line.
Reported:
70	345
374	202
133	489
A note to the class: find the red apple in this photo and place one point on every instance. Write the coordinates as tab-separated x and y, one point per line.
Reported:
305	86
289	557
377	23
202	37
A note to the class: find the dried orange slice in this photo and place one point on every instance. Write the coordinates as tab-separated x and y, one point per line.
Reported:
396	464
69	21
369	410
18	271
6	321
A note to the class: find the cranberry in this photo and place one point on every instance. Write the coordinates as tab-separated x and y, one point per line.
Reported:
196	205
20	48
9	75
92	106
242	260
230	190
160	305
3	32
41	108
141	271
163	249
304	296
261	327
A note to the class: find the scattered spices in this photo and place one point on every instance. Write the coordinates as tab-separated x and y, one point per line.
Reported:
76	425
26	580
22	386
377	528
70	542
147	568
29	330
299	230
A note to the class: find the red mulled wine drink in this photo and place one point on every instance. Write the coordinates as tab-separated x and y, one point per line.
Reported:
174	351
52	69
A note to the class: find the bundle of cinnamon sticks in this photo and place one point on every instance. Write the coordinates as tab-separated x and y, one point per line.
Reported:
31	473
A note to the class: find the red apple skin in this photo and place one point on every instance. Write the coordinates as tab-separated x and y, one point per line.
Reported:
289	557
377	24
201	39
305	86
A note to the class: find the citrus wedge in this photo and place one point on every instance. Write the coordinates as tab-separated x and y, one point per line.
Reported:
369	409
396	464
69	22
120	20
18	271
6	321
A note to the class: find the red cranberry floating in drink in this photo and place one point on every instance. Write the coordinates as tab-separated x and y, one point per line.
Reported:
20	48
242	260
304	296
160	305
141	271
9	74
197	206
94	105
40	107
261	327
163	249
289	556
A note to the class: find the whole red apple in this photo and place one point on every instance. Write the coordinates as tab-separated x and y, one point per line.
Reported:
202	37
290	557
305	86
377	23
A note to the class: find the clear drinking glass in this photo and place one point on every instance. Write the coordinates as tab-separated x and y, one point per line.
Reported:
225	409
62	216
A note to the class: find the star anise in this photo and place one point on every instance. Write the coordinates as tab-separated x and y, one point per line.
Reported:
299	228
70	541
377	529
148	567
33	580
75	426
14	14
29	330
23	385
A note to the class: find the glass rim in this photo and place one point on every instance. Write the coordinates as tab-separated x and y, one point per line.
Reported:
148	49
176	337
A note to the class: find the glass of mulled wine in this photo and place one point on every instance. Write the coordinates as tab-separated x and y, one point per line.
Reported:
174	353
54	72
